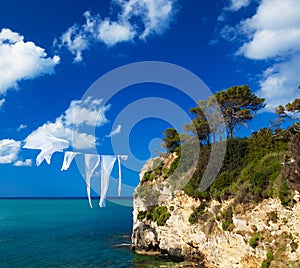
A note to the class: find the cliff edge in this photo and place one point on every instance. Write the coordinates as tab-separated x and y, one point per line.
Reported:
226	234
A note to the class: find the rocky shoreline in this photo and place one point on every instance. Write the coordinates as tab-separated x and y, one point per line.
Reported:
207	244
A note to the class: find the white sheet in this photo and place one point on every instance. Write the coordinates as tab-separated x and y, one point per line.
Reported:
107	163
68	158
91	163
123	157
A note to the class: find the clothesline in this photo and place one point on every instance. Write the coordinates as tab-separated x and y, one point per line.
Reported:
92	161
49	144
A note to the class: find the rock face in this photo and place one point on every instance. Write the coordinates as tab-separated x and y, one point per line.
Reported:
208	245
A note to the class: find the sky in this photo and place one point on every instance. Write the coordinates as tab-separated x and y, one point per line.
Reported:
52	52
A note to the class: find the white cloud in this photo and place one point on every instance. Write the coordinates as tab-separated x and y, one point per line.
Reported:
115	131
74	125
2	101
269	37
235	5
112	33
277	39
22	126
272	34
267	43
156	14
136	19
9	150
88	111
21	60
280	82
26	163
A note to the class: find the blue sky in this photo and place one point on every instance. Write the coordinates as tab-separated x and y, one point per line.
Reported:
52	51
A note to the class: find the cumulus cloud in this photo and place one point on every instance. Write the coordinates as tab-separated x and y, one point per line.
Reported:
26	163
137	19
88	111
21	60
116	131
272	38
235	5
74	124
9	150
279	41
275	41
280	82
112	33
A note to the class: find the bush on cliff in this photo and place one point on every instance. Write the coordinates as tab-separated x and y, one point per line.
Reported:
158	214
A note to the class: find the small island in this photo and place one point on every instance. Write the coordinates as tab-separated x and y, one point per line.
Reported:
249	215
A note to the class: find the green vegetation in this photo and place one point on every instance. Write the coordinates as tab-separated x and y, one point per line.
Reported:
226	217
284	192
264	165
254	240
158	214
267	262
171	140
149	176
198	212
238	105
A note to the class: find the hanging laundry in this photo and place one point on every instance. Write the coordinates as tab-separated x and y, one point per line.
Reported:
48	144
68	158
123	157
107	163
91	163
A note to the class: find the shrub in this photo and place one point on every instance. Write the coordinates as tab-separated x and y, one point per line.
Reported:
162	219
253	242
227	226
192	218
262	174
141	215
267	262
226	216
198	213
158	214
284	192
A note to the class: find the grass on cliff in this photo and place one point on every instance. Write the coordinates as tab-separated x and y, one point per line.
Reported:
254	163
158	214
251	172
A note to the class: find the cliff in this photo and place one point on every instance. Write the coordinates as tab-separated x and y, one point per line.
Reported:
257	234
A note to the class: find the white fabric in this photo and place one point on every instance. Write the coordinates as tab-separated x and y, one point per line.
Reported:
48	144
91	163
123	157
120	176
107	163
68	158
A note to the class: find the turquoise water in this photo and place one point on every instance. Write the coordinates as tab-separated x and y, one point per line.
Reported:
67	233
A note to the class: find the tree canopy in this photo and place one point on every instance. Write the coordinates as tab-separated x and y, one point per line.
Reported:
239	106
171	140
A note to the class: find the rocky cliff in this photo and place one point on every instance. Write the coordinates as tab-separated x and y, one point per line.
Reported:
261	234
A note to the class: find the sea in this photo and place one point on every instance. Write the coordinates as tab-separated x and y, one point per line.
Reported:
68	233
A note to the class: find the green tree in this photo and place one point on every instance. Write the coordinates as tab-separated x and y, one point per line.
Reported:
206	130
171	139
238	105
290	111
